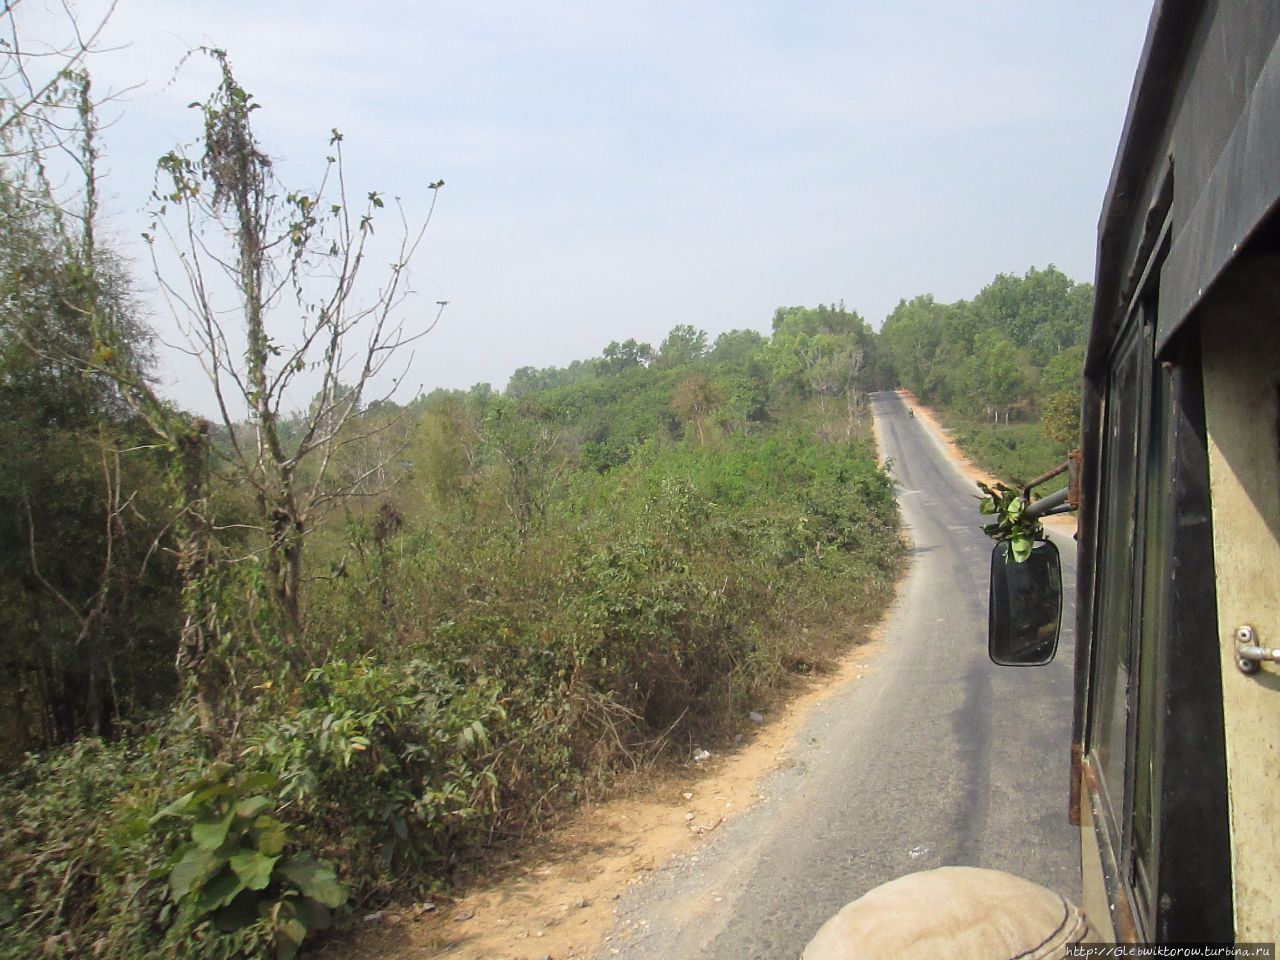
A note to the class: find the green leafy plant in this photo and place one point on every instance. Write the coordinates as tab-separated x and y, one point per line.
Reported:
234	869
1014	453
1012	522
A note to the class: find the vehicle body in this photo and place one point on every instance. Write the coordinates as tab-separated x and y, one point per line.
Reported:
1176	737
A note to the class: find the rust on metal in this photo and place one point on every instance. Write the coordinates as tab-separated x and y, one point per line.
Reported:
1074	459
1123	919
1077	765
1061	468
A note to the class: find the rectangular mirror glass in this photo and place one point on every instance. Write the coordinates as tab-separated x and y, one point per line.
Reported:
1025	611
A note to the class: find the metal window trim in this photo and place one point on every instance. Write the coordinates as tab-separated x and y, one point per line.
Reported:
1123	918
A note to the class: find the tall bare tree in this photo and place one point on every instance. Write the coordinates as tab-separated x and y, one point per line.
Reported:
268	294
267	285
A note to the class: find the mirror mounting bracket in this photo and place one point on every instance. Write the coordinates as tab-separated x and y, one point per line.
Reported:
1065	500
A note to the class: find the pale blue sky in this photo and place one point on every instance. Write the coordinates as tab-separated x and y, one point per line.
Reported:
613	169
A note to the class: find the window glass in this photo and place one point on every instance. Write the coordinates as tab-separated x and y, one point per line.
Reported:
1133	540
1116	575
1155	563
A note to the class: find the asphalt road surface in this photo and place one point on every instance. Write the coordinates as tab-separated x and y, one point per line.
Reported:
935	757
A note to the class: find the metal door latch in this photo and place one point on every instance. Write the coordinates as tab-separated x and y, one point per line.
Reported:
1249	654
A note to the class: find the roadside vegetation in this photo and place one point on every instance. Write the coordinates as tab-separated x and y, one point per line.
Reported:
1003	369
327	648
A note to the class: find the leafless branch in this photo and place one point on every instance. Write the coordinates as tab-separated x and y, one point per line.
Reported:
27	99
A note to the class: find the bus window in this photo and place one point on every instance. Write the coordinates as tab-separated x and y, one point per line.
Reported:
1130	620
1156	562
1114	630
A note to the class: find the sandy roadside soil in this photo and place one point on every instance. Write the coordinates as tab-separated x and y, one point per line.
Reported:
557	900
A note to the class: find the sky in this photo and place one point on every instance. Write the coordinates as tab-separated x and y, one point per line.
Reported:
613	169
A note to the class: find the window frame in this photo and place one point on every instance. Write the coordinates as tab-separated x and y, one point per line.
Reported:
1127	617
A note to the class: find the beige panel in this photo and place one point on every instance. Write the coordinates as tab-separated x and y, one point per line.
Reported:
1241	342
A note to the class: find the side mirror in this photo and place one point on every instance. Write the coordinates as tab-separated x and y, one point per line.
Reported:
1025	612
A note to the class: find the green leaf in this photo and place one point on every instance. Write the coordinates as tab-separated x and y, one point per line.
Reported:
1012	523
270	835
286	947
250	807
315	914
218	891
292	929
211	834
261	780
203	796
217	771
253	868
201	782
289	928
175	809
316	879
194	867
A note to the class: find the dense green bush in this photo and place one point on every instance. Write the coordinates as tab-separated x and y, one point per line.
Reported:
1014	452
83	870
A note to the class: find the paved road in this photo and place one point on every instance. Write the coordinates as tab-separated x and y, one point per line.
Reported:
934	757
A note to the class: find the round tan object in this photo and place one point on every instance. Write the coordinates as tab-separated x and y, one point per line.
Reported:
952	913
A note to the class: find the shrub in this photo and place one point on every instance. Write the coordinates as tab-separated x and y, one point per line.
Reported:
234	870
1015	453
83	870
469	679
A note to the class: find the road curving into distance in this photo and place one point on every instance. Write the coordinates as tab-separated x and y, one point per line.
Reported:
934	756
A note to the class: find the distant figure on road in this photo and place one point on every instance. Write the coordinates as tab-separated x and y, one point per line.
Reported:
911	413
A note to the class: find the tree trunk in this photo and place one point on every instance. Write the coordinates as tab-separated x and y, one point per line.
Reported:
284	569
195	665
